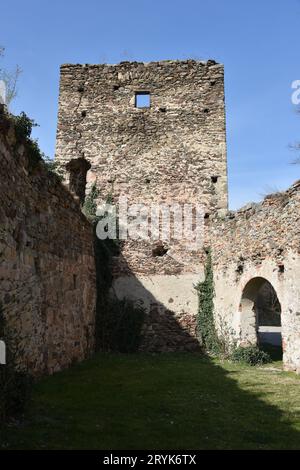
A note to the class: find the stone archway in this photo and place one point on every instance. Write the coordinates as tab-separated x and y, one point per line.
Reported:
260	314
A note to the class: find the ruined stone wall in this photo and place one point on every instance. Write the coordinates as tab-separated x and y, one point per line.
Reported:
47	272
259	241
173	151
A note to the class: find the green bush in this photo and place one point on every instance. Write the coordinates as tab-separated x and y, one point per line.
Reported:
23	129
251	355
24	125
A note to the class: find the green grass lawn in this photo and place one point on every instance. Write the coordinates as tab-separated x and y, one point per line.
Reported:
168	401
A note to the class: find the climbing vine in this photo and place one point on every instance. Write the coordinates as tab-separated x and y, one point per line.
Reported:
221	345
89	207
118	322
206	326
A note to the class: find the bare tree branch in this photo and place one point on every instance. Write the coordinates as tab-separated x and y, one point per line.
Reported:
9	81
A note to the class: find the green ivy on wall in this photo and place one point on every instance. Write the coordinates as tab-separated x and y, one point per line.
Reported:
118	322
206	326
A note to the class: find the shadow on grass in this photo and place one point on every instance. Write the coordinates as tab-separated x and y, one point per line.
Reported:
167	401
160	401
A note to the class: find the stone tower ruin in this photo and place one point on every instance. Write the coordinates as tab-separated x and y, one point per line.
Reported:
154	132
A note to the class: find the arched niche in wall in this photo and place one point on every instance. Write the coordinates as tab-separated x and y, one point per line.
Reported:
77	169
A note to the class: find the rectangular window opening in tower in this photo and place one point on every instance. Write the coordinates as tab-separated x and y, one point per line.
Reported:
142	99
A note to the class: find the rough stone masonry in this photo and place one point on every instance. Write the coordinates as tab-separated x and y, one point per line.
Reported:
258	243
47	267
171	151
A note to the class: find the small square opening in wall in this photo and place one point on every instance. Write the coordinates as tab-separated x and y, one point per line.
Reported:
142	99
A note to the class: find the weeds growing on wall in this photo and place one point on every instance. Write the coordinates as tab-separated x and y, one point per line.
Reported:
53	168
118	322
89	207
206	325
23	128
15	383
221	345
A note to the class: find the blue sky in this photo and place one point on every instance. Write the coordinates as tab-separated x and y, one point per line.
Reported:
257	41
